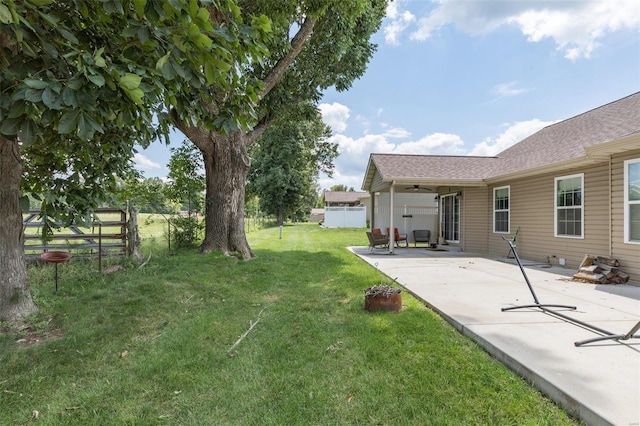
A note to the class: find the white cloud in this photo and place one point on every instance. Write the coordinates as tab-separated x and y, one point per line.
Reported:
473	17
145	163
504	90
350	181
398	22
392	10
354	152
362	120
353	158
577	29
514	133
397	132
433	144
335	115
575	26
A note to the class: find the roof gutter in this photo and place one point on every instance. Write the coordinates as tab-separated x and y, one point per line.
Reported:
437	182
604	151
595	154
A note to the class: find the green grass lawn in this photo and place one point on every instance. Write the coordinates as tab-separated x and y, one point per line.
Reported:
152	346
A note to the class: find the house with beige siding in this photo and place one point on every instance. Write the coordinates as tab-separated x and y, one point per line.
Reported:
571	189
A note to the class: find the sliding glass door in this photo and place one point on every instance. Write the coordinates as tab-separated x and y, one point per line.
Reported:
450	217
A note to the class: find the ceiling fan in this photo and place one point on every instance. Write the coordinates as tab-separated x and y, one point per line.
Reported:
417	188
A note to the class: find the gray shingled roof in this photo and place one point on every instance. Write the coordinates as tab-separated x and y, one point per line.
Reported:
433	166
568	139
343	197
564	141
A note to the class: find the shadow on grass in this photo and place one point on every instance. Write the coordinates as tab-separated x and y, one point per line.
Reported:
143	345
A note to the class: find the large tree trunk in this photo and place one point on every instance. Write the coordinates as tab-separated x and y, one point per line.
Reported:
226	165
15	297
227	162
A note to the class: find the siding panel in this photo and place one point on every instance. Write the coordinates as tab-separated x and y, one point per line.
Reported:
475	204
532	209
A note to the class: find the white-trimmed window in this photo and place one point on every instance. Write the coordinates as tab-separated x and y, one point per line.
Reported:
501	212
632	201
569	203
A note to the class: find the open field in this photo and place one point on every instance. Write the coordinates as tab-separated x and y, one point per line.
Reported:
156	345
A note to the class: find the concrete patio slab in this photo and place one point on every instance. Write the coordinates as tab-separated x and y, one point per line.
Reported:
598	383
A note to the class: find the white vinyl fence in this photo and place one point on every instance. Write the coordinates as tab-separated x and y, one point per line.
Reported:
345	217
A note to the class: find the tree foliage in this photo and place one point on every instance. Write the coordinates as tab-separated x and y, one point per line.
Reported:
341	188
148	195
287	161
335	53
186	187
83	81
186	177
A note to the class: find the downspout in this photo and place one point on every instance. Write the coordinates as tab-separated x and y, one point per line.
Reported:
463	226
392	234
610	207
437	218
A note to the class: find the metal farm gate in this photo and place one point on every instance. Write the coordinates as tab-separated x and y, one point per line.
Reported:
106	236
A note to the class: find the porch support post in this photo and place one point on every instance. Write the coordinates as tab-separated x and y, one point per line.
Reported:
392	234
372	214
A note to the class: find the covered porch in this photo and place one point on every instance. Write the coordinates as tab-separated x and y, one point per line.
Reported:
423	192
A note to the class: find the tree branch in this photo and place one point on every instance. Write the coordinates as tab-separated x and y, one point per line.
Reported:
258	130
195	134
251	325
297	43
265	121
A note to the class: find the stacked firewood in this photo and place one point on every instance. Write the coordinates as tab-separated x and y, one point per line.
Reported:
600	270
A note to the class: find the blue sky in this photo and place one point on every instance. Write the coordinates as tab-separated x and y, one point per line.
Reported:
473	78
